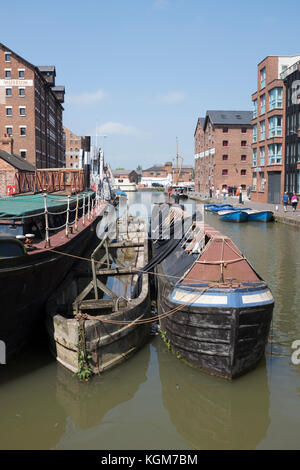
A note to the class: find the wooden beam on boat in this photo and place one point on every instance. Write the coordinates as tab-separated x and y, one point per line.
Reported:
116	271
102	303
125	244
107	272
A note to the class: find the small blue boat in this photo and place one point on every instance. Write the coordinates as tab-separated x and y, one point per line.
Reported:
233	216
206	206
232	208
260	216
217	208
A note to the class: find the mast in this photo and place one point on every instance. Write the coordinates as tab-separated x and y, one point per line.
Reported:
178	171
177	155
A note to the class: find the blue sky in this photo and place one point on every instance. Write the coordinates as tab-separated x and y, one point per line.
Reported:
143	71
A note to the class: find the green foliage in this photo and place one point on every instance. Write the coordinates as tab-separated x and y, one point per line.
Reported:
84	370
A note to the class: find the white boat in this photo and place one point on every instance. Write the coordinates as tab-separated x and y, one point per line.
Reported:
126	187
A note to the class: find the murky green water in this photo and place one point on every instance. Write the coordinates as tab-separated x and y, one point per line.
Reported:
153	401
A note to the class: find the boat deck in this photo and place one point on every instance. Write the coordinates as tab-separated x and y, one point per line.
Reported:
59	238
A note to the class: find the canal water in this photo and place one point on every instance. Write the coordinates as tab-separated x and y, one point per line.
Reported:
154	401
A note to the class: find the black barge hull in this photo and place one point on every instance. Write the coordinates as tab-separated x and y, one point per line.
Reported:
227	342
27	282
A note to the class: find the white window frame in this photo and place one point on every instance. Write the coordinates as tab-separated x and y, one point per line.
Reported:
9	127
23	127
23	150
5	54
21	70
22	107
22	88
6	108
8	88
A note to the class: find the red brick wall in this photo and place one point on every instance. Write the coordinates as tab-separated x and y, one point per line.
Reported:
73	142
7	176
27	142
198	145
43	112
272	81
209	168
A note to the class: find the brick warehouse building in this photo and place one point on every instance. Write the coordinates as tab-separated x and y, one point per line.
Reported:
31	110
74	146
183	174
222	146
269	126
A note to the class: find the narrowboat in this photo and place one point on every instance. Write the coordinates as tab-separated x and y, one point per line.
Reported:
215	311
40	238
99	318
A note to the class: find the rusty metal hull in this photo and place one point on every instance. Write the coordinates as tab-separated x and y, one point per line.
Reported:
224	341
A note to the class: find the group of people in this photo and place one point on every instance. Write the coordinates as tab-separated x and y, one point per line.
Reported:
237	192
294	201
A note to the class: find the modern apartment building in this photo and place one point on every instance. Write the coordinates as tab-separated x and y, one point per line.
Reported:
31	110
222	146
269	125
291	79
74	147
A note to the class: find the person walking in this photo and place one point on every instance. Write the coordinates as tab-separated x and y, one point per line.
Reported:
218	193
285	200
176	196
224	193
240	195
294	202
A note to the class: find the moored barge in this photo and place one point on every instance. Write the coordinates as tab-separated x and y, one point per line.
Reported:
40	238
215	310
93	325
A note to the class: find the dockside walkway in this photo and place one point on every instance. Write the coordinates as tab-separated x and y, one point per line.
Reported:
289	217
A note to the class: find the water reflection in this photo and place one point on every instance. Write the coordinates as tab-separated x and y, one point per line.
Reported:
31	417
271	249
87	404
154	401
211	413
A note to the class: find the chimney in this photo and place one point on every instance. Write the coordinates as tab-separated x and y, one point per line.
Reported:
7	143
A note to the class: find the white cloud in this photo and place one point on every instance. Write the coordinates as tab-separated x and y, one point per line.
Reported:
172	97
86	98
161	4
116	128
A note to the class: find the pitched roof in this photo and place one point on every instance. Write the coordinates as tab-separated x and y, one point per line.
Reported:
46	68
230	117
201	121
155	168
16	161
122	172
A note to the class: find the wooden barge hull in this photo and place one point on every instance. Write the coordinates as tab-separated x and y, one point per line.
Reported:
27	282
108	344
226	341
110	337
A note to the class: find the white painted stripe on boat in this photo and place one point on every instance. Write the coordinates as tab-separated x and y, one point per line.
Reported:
200	299
256	298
